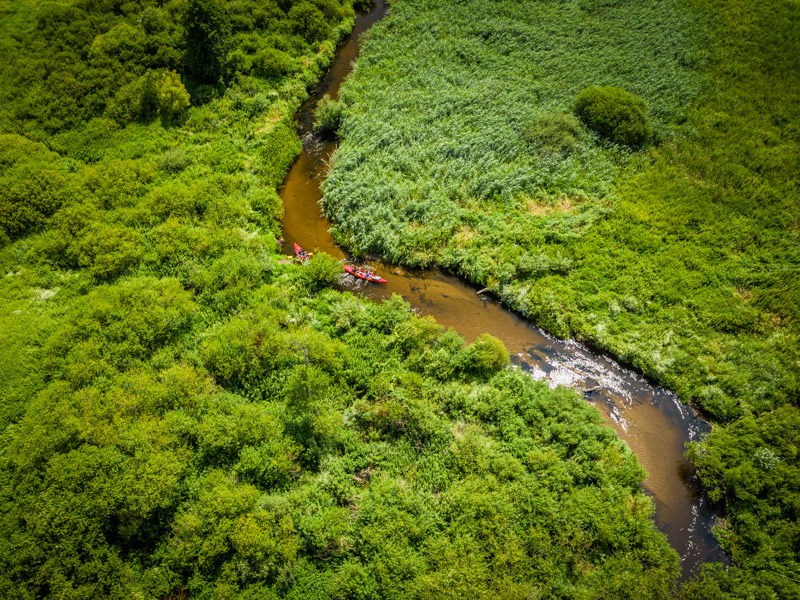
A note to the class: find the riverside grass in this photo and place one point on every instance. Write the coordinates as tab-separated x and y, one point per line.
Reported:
682	259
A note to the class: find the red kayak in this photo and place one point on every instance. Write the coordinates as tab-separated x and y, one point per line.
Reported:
364	274
301	254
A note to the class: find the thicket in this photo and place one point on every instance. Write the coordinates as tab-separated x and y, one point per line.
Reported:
184	416
681	259
69	62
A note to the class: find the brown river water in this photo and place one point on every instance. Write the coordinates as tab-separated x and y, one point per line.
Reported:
650	419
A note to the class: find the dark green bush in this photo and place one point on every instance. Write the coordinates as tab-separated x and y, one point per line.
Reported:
272	63
615	114
208	39
308	21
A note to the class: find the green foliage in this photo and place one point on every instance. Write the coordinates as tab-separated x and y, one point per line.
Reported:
322	271
307	20
180	419
615	114
682	262
208	39
32	187
172	97
553	132
174	161
754	465
485	356
271	63
328	115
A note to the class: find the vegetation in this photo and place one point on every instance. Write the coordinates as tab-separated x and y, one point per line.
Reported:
328	115
614	114
183	415
681	259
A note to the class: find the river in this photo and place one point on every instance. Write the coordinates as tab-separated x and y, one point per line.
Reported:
651	420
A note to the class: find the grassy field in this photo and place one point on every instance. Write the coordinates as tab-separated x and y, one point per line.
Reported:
681	258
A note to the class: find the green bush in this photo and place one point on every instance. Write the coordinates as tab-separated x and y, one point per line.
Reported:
272	63
156	93
553	131
308	21
615	114
174	161
328	115
322	271
485	356
208	39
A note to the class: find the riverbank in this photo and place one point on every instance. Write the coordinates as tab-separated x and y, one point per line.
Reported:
682	263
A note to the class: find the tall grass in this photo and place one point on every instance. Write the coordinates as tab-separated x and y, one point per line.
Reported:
452	166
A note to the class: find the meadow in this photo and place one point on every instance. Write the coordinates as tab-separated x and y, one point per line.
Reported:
185	415
459	147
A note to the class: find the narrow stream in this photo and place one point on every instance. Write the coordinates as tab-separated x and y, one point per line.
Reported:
651	420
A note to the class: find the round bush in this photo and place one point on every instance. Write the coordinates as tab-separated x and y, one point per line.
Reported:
615	114
271	63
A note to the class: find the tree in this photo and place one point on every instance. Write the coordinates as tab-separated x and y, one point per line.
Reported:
208	39
485	356
307	20
173	99
615	114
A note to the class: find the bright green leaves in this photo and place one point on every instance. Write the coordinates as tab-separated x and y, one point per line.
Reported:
486	356
225	535
32	187
322	271
117	326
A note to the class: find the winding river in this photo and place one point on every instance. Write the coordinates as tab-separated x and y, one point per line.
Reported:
650	419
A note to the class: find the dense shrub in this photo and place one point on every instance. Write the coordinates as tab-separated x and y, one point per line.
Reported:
328	115
615	114
485	356
308	21
156	93
174	160
322	271
271	62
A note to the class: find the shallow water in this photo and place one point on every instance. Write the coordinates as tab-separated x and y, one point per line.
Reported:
651	420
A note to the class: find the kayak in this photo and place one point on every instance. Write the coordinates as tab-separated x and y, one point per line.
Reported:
363	274
301	254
